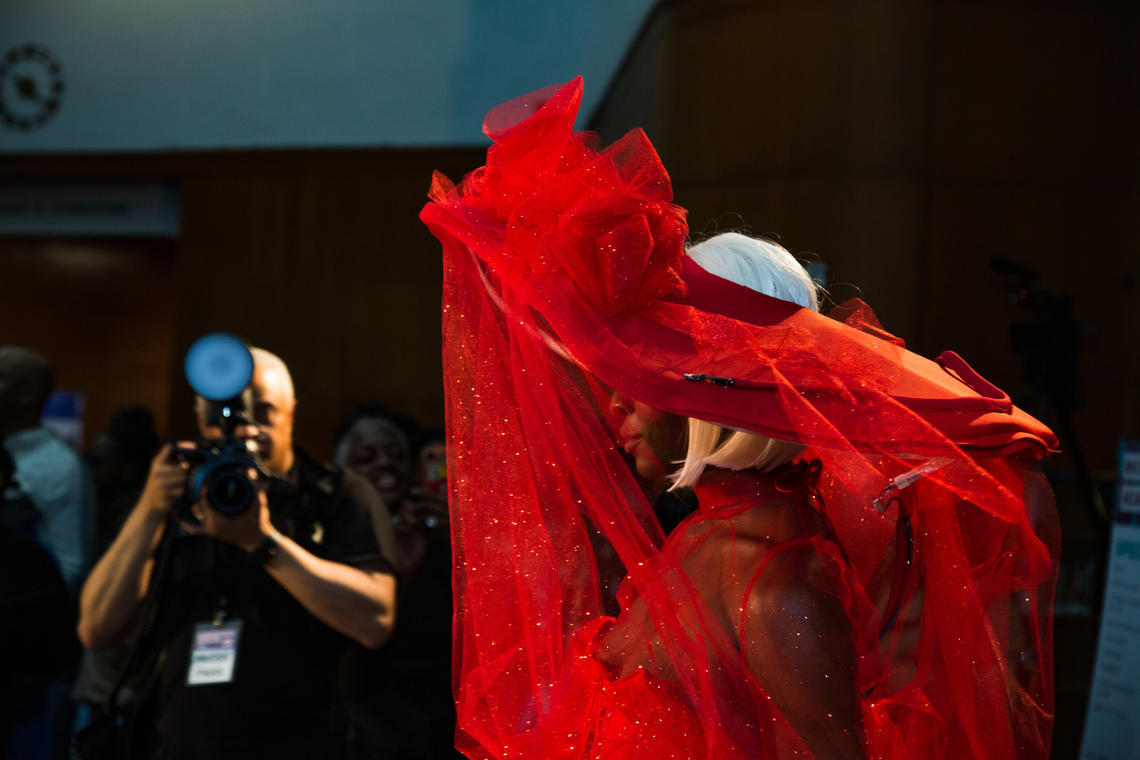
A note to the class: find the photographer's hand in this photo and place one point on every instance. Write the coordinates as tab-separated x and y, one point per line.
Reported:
165	483
246	530
119	580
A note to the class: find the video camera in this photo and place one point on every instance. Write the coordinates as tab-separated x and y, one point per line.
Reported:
219	367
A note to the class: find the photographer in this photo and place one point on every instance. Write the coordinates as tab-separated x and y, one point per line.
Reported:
248	621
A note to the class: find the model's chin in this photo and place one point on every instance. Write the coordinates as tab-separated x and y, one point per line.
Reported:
648	466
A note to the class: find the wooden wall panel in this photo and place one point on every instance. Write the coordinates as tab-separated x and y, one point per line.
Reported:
316	255
797	120
101	311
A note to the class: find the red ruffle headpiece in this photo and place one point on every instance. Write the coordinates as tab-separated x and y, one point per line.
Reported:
565	277
592	241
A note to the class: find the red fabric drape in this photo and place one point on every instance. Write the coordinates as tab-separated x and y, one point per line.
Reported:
565	279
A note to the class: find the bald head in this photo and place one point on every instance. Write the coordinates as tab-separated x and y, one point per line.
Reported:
25	383
270	370
273	405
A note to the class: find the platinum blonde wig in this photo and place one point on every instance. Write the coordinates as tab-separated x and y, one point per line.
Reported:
767	268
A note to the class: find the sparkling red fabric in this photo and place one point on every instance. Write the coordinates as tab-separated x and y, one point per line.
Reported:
797	613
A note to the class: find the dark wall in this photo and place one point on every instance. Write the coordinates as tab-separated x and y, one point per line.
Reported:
316	255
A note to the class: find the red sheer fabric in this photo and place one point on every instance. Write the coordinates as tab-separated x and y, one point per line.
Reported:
892	600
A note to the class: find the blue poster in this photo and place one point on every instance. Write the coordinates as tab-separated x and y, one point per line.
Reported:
63	415
1112	728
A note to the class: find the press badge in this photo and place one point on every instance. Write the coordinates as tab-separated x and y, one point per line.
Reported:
214	654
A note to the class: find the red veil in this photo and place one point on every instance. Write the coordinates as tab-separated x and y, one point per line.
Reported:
565	278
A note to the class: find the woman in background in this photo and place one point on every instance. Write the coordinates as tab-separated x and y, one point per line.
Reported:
399	698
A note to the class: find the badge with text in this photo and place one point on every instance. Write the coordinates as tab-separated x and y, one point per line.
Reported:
214	654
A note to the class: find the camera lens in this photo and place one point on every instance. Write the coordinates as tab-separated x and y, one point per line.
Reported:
230	492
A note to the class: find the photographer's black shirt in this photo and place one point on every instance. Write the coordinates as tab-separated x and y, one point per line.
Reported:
279	703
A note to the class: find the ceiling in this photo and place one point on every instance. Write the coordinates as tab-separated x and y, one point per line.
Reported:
136	75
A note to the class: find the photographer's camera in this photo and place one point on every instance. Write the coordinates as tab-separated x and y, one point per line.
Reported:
219	367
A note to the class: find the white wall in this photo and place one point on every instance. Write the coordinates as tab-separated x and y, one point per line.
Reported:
185	74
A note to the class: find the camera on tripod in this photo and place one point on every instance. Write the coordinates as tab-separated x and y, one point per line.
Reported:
219	367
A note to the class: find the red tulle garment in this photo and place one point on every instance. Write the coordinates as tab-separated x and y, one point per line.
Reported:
886	596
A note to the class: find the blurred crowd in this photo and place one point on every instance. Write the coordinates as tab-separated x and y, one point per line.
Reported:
69	522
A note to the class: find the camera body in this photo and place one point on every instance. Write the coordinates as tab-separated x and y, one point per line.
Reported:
219	367
219	474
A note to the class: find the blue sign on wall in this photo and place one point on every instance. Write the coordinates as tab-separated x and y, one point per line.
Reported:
1112	725
63	415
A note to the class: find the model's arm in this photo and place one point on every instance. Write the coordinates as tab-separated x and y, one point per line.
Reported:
117	584
797	642
360	602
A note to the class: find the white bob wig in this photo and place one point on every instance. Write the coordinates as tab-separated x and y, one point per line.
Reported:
767	268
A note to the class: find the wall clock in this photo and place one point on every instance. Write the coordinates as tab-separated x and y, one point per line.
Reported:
31	87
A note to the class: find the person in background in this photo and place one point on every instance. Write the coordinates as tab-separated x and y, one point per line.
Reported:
400	698
57	482
50	472
376	443
429	482
253	611
37	618
18	515
120	459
